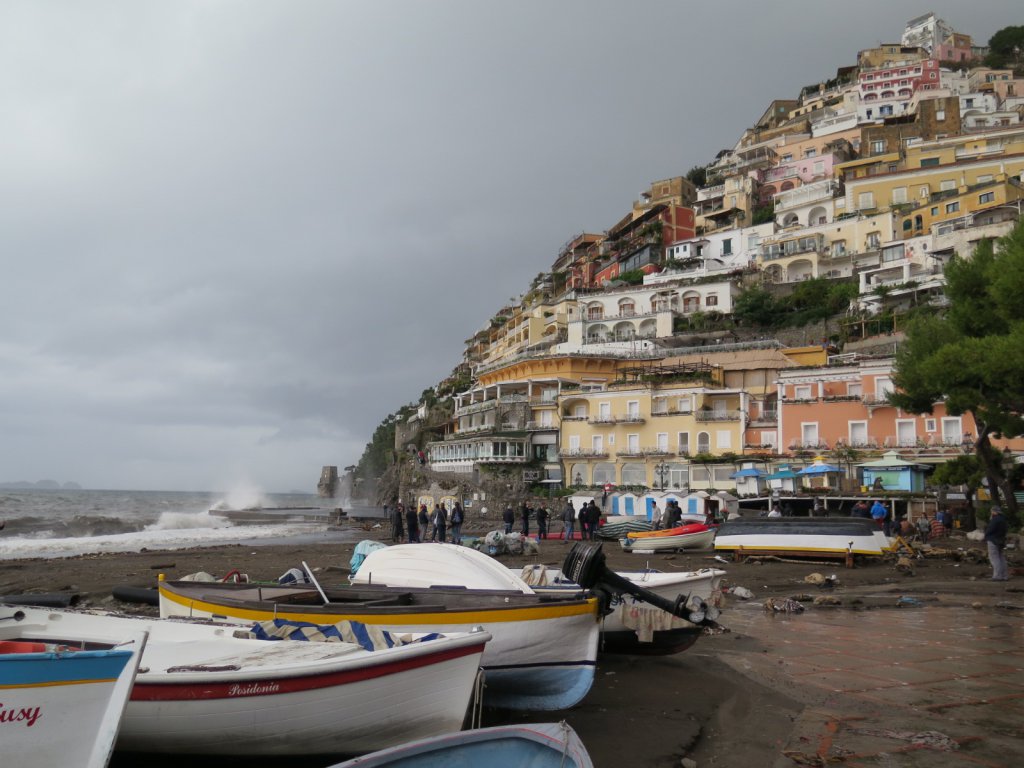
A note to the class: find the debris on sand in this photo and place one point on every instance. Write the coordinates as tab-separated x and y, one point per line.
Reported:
782	606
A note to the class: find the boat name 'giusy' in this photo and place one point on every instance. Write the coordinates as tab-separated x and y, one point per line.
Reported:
253	689
26	715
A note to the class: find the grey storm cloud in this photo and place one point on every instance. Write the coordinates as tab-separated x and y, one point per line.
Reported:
237	235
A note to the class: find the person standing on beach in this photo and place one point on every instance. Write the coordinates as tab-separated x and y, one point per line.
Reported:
508	517
440	532
397	516
584	518
526	512
593	520
456	520
879	513
412	524
568	521
542	522
424	522
655	517
995	538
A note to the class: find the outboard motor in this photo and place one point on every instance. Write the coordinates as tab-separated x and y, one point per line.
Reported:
587	566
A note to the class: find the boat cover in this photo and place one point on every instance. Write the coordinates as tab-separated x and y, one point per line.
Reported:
363	548
370	638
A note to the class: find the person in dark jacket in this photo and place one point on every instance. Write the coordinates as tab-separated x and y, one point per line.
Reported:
424	522
440	532
593	521
584	518
568	521
542	522
995	537
456	520
412	524
526	512
397	523
508	517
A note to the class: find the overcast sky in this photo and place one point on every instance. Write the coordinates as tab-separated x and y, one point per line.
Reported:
236	235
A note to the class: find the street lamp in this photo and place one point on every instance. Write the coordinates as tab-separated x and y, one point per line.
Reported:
662	469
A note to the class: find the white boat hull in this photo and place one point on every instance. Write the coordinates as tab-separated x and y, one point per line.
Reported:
201	689
62	709
699	540
803	536
635	626
540	657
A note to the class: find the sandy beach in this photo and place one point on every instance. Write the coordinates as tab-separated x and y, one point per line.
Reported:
720	703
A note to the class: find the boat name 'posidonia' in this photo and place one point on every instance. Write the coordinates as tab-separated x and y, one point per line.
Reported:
253	689
26	715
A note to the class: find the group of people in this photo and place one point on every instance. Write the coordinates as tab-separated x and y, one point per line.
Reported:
670	517
540	513
433	524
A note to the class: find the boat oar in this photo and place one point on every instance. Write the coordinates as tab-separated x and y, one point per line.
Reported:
586	565
309	572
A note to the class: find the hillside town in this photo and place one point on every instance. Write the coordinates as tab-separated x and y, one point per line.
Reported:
740	322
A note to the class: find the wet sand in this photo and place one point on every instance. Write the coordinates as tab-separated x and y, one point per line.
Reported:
720	703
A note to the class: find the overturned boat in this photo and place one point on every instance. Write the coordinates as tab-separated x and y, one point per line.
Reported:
802	536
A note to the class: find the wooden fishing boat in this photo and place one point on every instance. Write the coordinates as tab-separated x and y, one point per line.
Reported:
541	656
802	536
631	625
535	745
62	698
217	689
635	626
689	536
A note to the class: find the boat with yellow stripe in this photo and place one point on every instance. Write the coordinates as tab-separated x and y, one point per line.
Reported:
541	656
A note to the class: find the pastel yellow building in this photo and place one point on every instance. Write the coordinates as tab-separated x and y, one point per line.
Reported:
641	429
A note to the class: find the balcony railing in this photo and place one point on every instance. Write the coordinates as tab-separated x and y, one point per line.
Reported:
765	417
602	420
574	418
718	415
503	459
671	412
539	426
583	453
635	418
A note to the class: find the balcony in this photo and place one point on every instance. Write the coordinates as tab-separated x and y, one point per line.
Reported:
635	418
574	418
466	410
765	419
654	450
718	415
539	426
671	412
602	420
805	195
630	453
503	460
583	453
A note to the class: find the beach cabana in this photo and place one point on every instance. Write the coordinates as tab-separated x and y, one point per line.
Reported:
750	481
821	475
893	473
783	479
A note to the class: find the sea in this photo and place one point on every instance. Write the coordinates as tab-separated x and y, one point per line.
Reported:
64	523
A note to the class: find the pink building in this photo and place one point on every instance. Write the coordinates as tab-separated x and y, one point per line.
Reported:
847	404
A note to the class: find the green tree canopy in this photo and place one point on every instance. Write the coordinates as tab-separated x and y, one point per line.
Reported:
973	356
1006	48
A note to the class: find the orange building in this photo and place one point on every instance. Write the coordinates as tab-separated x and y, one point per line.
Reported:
846	404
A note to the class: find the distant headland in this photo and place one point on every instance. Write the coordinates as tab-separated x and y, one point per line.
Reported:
40	485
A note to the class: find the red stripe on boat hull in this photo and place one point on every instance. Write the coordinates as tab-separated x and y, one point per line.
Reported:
242	688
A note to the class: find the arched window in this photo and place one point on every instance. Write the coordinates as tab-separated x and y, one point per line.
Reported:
634	473
703	442
604	473
579	475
